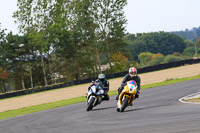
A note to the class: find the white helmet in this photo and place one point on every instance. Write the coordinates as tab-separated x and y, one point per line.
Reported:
132	71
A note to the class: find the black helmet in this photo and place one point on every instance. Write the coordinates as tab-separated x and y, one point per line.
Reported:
102	77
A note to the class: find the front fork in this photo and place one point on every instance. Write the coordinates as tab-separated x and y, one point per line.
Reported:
131	99
98	100
122	96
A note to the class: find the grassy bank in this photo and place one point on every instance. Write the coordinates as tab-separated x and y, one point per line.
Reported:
193	100
37	108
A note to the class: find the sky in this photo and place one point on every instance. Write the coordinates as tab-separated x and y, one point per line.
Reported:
143	15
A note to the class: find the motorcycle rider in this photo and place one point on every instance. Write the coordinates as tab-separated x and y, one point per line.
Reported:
131	76
104	84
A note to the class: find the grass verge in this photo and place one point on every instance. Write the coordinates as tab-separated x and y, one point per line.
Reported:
41	107
37	108
193	99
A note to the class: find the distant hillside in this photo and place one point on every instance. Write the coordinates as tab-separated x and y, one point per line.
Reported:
191	35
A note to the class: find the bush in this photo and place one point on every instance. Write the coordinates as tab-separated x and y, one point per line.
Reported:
172	58
145	58
189	51
157	60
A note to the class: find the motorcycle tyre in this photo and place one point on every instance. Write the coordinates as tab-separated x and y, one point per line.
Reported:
124	105
118	109
90	104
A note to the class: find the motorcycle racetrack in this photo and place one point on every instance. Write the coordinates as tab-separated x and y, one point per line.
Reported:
158	110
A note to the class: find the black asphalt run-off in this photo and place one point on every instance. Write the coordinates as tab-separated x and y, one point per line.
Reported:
156	111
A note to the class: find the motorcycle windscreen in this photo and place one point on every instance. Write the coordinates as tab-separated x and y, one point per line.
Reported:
93	89
132	86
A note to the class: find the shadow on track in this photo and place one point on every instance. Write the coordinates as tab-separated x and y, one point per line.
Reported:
104	108
136	109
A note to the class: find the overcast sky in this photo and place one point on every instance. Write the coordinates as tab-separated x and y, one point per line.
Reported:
142	15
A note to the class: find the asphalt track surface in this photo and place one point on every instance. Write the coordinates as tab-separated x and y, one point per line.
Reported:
156	111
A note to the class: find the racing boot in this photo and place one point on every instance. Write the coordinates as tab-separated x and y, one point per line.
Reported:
99	100
117	97
119	91
106	97
137	94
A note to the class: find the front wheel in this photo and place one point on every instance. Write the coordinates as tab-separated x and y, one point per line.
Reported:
118	109
90	104
125	103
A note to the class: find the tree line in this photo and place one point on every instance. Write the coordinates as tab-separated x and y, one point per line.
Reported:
149	49
61	40
191	35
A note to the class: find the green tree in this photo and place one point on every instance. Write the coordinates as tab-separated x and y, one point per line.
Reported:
2	34
78	32
171	58
197	47
109	16
2	41
189	43
34	19
36	40
158	42
15	54
189	51
119	61
4	75
84	37
145	58
156	59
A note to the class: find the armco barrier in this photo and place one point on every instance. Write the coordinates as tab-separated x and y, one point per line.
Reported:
108	76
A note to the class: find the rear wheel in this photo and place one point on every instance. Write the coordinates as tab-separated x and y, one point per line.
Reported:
90	104
125	103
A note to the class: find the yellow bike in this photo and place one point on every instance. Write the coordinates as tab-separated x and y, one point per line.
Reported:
127	96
